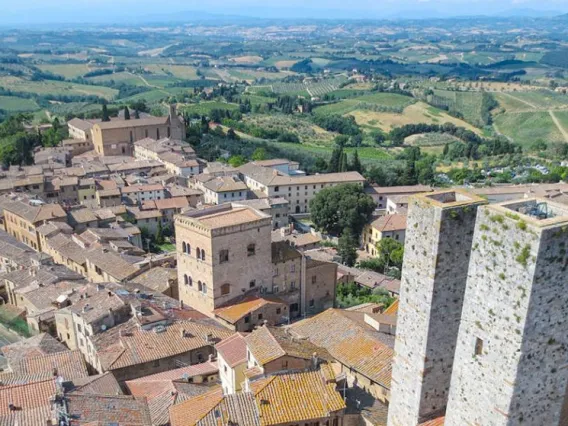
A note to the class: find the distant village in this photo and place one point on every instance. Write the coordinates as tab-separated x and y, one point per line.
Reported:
145	286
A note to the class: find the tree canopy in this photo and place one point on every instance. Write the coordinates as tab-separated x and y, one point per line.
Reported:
344	206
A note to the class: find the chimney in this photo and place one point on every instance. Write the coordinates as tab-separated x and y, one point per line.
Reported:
55	372
182	332
86	307
210	358
110	294
209	338
315	360
11	407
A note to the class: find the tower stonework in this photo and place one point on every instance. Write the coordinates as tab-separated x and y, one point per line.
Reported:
511	360
438	242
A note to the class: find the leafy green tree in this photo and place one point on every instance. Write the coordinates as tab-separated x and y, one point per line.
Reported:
105	113
237	160
343	206
356	163
344	165
391	253
347	247
232	135
446	150
259	154
126	113
136	114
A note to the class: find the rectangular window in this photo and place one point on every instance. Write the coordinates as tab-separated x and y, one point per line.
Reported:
223	256
312	302
478	346
278	310
251	250
293	267
259	316
252	284
314	279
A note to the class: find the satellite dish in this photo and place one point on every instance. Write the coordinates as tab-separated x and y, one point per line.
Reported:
103	327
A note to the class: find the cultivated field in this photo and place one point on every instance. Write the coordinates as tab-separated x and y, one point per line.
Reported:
533	100
50	87
419	112
526	128
66	70
205	108
307	132
430	139
391	102
14	104
468	104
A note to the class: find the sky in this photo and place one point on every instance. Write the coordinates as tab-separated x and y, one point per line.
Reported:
116	11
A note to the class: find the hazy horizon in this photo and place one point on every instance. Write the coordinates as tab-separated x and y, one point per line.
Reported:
129	11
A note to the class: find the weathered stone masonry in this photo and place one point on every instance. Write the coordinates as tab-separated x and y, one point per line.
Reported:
512	355
437	250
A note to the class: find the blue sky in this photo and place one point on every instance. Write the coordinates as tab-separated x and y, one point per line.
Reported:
36	11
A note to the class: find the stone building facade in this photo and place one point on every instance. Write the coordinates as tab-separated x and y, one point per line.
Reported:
223	252
117	137
510	361
438	243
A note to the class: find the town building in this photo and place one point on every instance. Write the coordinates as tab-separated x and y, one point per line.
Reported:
220	189
232	361
438	245
117	137
298	190
381	194
275	207
388	226
22	217
177	156
223	252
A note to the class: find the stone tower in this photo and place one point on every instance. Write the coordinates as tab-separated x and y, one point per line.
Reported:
437	250
512	354
223	252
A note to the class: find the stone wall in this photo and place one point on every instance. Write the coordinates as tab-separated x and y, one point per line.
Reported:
510	363
437	251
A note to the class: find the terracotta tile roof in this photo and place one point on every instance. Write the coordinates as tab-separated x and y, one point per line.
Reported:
165	389
114	264
243	307
230	218
372	279
81	124
409	189
233	350
350	343
390	222
33	213
204	368
269	343
69	365
26	397
172	203
158	278
212	409
435	422
42	344
392	309
96	305
127	344
103	409
100	384
140	122
297	397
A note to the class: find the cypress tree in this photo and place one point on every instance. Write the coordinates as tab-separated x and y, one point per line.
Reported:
105	113
126	113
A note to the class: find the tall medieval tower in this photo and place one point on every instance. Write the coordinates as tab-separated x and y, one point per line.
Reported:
437	252
512	353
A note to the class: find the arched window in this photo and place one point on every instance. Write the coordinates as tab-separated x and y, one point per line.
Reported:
184	247
199	286
203	255
190	282
204	288
198	252
188	249
225	289
185	278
